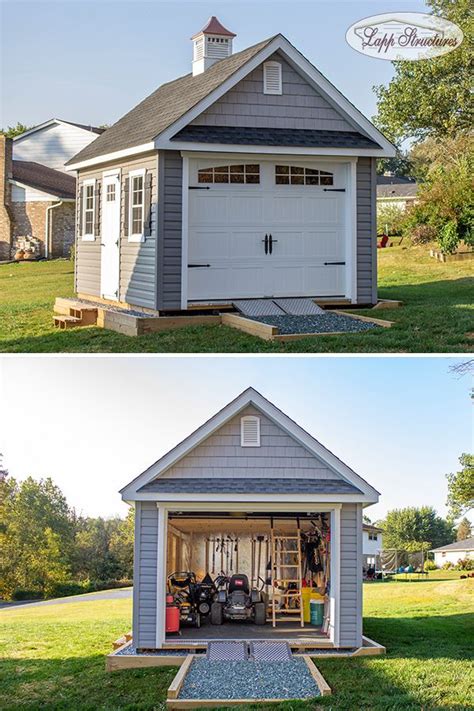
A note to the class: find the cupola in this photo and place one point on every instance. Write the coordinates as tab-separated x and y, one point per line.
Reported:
212	43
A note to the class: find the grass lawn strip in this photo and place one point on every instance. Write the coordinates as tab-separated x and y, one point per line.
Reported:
437	316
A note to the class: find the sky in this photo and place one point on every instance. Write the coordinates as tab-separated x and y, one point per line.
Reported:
92	61
94	423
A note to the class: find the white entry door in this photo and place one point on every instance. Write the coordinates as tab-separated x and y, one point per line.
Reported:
110	239
266	229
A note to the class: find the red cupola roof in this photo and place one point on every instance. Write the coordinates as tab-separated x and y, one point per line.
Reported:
214	27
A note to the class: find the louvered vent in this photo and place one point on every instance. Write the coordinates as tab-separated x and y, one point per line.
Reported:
250	431
272	78
218	47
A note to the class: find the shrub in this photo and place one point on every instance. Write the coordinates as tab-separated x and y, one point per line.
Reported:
465	564
447	566
422	234
449	237
430	565
64	589
21	594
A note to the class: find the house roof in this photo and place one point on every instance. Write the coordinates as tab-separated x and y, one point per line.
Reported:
33	129
395	186
39	176
135	489
214	27
249	486
466	545
372	529
274	137
165	106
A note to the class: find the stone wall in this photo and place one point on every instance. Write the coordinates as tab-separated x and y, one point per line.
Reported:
5	196
30	221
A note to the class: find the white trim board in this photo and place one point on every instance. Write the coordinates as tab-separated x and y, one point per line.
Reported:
246	398
108	157
189	146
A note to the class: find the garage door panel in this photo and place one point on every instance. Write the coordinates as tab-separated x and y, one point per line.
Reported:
246	245
226	282
208	209
329	279
321	209
207	244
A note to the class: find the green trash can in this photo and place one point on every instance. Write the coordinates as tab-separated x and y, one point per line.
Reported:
316	612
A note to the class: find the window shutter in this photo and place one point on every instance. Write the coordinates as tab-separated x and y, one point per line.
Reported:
126	205
81	210
250	431
97	208
272	78
147	210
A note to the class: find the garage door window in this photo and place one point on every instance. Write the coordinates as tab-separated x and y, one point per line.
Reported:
245	173
296	175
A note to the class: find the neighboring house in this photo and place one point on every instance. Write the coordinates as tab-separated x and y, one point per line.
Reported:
252	176
396	191
454	552
371	545
38	195
53	142
247	472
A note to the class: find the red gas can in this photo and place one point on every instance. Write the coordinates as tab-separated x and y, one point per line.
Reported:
172	615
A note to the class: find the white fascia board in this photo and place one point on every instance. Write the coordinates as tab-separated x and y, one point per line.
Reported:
271	156
108	157
37	128
277	150
301	499
315	78
250	397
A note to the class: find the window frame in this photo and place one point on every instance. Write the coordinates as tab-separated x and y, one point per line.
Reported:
327	175
218	169
266	90
243	420
136	236
88	236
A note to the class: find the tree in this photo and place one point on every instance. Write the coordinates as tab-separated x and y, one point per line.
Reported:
399	165
3	471
93	558
415	529
461	487
17	130
36	535
464	530
431	97
121	544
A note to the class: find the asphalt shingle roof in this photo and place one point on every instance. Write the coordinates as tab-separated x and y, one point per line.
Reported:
165	106
43	178
466	545
274	137
200	485
395	186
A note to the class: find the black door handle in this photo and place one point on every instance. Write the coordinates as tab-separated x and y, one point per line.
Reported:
272	242
266	243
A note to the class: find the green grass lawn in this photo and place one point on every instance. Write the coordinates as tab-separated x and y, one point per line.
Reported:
438	314
53	656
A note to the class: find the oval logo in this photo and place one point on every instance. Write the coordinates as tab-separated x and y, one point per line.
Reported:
404	36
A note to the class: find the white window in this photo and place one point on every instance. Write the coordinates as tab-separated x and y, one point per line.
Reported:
272	83
88	210
137	205
250	431
299	175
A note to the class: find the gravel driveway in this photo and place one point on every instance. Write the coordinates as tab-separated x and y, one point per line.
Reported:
88	597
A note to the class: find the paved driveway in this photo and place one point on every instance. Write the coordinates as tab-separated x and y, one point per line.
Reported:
88	597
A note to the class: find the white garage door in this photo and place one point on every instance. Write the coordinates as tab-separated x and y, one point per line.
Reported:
262	229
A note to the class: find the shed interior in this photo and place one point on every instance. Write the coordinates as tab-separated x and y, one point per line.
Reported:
286	558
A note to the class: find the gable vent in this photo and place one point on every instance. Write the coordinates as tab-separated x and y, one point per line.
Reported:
250	431
272	78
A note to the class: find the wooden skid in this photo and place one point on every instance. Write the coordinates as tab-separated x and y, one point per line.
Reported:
370	319
118	662
388	304
321	682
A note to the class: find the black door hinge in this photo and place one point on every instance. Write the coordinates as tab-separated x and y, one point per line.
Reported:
194	266
334	190
199	187
326	264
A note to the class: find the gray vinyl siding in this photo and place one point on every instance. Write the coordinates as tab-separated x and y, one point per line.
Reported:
145	575
366	232
170	229
350	605
279	456
137	283
299	106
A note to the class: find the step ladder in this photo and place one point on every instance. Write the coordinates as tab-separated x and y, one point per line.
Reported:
287	582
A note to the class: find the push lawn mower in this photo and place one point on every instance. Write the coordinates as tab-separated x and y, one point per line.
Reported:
236	601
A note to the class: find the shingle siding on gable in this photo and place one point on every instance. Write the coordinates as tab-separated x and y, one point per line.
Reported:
299	106
222	456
